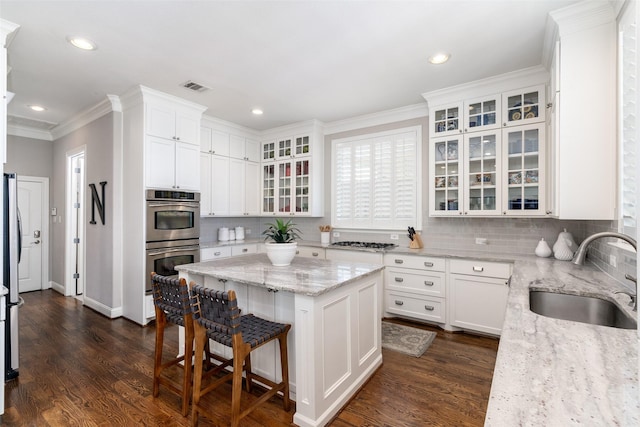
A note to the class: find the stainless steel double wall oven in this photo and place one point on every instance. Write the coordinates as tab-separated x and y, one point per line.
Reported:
173	231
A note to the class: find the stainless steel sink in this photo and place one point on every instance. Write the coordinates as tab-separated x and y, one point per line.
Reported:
594	311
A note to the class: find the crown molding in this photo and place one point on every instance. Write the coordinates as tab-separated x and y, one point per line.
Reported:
28	132
110	104
6	30
496	84
294	128
582	16
380	118
220	124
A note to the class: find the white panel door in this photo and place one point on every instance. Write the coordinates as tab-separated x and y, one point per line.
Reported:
30	196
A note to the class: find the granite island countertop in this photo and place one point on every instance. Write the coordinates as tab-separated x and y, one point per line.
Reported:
307	276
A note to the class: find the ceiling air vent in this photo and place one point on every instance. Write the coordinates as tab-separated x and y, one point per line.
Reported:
196	87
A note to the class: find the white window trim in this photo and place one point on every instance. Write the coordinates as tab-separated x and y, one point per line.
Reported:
418	182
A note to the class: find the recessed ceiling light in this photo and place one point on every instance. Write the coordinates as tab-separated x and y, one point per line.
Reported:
257	111
37	108
82	43
439	58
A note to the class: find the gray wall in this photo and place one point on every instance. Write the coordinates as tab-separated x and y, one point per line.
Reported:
97	136
32	157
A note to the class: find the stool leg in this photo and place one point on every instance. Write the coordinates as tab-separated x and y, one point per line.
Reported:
188	357
247	369
239	356
161	321
199	337
284	363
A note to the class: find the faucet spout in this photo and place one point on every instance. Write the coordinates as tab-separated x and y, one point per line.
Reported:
581	253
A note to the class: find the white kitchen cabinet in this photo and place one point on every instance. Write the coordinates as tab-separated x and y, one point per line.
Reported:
171	164
583	139
292	173
415	287
209	254
243	187
213	141
244	249
311	252
170	121
244	148
474	167
214	188
477	296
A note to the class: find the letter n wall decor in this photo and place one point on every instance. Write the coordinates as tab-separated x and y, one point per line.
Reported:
97	201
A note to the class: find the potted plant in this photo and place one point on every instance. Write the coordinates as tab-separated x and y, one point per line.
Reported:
282	247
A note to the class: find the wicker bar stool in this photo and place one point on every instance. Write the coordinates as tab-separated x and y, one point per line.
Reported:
173	305
216	316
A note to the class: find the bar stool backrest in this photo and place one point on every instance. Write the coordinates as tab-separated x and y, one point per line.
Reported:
171	295
217	312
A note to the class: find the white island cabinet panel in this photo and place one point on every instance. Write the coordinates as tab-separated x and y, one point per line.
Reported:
334	345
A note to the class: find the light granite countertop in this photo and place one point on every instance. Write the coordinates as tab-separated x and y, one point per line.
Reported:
306	276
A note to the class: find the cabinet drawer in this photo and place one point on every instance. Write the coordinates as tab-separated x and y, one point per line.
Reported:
208	254
426	283
425	308
310	252
481	268
243	249
412	261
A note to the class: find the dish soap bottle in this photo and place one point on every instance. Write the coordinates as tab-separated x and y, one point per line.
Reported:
543	250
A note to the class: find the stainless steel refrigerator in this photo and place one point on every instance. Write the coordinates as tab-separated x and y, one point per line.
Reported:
11	258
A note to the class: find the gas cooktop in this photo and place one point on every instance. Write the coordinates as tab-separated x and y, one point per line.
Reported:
370	245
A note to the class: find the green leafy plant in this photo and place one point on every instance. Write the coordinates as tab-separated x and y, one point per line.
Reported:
281	232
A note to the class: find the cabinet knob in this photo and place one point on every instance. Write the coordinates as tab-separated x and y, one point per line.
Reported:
315	254
460	131
245	250
429	307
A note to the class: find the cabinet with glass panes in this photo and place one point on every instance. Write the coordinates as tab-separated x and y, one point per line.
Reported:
291	167
524	163
482	173
445	175
523	106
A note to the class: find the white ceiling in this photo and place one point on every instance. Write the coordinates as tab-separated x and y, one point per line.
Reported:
297	60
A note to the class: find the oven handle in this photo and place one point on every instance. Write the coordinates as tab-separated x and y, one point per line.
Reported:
165	204
168	251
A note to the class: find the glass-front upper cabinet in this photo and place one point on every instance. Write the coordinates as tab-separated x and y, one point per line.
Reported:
302	146
482	114
446	120
523	106
445	176
284	148
268	188
482	173
268	151
524	158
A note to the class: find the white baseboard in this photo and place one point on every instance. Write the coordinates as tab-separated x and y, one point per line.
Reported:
111	313
57	287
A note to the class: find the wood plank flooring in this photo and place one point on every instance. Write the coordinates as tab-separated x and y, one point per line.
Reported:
78	368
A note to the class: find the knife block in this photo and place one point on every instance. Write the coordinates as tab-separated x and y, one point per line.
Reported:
416	243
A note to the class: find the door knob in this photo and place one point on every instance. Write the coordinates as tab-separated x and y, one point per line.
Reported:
37	242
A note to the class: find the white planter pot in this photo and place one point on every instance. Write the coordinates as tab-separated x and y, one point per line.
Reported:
281	254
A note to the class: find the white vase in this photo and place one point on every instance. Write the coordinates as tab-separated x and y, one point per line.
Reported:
561	250
543	250
569	239
281	254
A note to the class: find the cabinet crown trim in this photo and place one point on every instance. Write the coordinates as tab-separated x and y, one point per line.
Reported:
582	16
531	76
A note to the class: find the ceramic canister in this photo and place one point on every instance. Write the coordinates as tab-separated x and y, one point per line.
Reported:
223	234
239	233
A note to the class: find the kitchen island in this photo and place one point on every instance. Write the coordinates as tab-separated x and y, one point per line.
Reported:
335	339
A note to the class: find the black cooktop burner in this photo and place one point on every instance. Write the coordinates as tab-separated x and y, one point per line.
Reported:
372	245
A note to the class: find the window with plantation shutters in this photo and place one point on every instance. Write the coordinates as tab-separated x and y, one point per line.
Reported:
376	180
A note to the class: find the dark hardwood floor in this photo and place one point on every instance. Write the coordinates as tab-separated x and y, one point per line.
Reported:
78	368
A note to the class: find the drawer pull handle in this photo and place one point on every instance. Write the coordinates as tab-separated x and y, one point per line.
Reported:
428	264
216	253
315	253
399	279
478	269
429	307
428	283
399	261
245	250
398	302
297	252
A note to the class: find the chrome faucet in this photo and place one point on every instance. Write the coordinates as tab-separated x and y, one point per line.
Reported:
581	253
